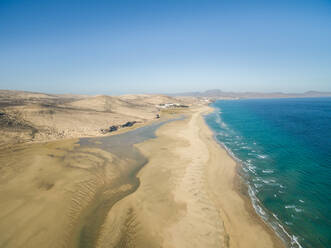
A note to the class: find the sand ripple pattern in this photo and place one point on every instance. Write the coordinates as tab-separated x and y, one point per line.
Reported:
172	206
201	226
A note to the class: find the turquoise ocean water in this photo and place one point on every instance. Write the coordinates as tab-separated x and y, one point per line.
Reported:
284	149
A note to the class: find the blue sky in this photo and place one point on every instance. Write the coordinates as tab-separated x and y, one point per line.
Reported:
116	47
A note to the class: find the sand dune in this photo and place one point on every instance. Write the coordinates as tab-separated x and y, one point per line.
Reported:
29	116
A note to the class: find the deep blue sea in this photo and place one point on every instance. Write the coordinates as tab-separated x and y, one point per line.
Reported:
284	149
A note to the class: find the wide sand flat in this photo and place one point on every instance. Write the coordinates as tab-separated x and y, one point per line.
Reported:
56	194
62	194
187	196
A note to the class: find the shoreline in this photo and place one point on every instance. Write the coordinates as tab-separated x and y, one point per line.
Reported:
242	189
76	186
253	203
187	195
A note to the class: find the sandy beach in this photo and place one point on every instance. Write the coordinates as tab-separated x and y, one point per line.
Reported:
180	191
187	196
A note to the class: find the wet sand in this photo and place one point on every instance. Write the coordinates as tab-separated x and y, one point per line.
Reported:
58	194
187	196
87	193
49	191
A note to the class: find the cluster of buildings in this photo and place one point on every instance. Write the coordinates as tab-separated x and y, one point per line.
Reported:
171	105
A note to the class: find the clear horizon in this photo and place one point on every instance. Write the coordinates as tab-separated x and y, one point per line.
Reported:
112	47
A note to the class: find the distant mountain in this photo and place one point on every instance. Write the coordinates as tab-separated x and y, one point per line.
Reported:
219	94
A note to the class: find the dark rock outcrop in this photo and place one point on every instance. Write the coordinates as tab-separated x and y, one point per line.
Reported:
129	124
113	128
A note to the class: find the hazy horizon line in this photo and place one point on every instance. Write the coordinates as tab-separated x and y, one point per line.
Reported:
107	92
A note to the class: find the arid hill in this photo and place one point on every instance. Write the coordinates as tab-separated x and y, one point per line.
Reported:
30	116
